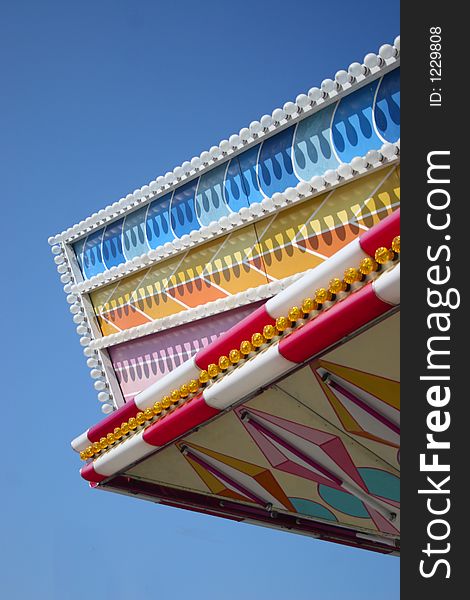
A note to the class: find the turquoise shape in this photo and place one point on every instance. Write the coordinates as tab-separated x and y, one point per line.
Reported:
380	483
312	509
342	501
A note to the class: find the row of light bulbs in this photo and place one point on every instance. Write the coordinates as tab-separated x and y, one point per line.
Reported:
303	103
83	329
257	210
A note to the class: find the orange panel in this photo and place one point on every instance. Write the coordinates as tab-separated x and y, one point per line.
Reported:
106	328
126	317
197	292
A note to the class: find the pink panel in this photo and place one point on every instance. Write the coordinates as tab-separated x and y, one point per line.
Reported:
141	362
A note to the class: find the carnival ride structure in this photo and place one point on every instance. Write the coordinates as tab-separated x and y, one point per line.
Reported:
240	319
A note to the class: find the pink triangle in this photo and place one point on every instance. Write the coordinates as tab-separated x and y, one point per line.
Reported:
307	433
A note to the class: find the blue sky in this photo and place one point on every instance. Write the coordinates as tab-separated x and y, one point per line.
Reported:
98	98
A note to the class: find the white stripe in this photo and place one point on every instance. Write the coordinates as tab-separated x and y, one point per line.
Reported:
123	455
319	277
254	374
387	286
81	442
174	379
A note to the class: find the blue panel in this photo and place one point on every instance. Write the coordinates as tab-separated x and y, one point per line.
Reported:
78	249
112	245
182	211
134	240
92	257
158	222
241	180
353	131
275	170
387	107
234	192
210	201
313	154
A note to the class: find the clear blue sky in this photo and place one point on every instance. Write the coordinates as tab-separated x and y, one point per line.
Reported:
98	98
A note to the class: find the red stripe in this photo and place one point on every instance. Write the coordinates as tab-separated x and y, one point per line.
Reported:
179	422
88	472
115	419
331	326
381	234
232	338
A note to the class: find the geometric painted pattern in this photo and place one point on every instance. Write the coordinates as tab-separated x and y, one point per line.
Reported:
320	444
235	478
317	456
291	446
367	405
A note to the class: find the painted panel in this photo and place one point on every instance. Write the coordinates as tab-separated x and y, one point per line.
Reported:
275	168
134	239
158	228
387	107
113	254
141	362
210	202
182	211
353	130
137	299
92	256
313	154
241	182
